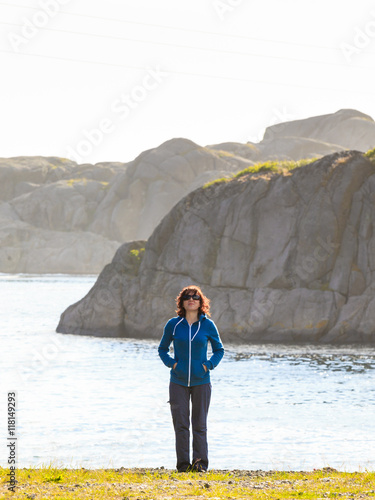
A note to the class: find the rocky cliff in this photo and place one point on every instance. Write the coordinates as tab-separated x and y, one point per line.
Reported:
286	254
60	217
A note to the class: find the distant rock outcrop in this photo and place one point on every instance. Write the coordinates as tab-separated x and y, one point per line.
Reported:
284	256
60	217
45	209
57	216
311	138
345	129
157	179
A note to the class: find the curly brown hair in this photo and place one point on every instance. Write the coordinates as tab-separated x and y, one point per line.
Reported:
204	307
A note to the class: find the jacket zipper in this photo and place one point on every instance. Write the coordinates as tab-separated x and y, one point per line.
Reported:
189	355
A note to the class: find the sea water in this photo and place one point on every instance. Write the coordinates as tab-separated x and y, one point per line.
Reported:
85	401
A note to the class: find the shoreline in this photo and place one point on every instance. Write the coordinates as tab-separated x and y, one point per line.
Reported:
164	484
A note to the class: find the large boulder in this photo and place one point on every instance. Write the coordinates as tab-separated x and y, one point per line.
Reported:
156	180
102	311
284	256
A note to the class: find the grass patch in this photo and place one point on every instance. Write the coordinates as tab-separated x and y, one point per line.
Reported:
71	182
279	167
53	479
138	254
84	180
223	154
158	484
217	181
370	154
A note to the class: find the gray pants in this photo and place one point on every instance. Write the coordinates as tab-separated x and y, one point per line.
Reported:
179	398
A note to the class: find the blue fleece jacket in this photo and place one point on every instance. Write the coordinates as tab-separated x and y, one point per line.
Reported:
190	350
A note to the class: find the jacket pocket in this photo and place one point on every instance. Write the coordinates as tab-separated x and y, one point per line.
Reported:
179	370
198	370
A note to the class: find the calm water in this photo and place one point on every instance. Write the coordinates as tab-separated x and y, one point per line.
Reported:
89	402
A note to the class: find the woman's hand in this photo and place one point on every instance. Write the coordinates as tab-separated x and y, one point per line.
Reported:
174	366
205	367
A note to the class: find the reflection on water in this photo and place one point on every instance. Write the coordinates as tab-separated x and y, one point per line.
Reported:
353	359
92	402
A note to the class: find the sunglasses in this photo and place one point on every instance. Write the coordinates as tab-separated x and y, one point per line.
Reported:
188	297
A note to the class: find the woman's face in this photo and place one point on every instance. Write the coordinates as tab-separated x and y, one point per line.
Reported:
191	301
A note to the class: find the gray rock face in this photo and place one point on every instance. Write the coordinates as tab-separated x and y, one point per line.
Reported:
154	182
46	206
284	257
28	249
60	217
104	316
346	129
57	216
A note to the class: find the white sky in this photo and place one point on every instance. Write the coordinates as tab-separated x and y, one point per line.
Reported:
225	70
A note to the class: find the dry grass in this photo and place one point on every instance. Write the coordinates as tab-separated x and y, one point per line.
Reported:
158	484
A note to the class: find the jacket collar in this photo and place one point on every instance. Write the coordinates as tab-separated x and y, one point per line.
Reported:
201	317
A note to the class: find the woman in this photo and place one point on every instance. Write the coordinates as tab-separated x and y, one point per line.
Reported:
190	332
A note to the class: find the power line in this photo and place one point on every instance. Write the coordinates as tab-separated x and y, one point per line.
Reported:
184	73
209	49
242	37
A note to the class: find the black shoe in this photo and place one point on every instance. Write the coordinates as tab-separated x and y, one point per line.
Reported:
184	468
198	466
